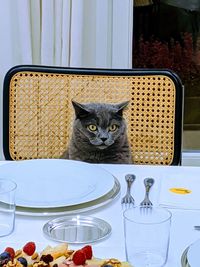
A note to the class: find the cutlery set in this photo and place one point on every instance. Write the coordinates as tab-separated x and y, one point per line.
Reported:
128	200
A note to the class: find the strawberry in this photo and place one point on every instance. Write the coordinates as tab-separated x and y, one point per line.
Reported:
29	248
88	252
79	257
11	251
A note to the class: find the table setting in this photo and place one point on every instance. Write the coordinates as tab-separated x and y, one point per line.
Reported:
80	203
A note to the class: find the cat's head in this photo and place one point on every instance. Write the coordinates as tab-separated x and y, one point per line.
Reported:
100	124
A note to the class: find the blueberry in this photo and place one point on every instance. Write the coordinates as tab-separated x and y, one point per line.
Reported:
4	258
108	265
23	261
4	255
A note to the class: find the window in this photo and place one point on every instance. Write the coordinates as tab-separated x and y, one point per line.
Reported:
167	35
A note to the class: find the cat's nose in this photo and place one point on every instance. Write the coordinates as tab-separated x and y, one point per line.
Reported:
103	139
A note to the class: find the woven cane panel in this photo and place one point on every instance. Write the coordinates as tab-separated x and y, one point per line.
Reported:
41	113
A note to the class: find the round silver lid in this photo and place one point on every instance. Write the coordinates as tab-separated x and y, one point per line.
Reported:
77	229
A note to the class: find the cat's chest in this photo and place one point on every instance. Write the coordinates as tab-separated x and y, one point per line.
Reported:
98	155
101	156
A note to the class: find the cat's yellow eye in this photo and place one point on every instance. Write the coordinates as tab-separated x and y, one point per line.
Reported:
92	127
113	127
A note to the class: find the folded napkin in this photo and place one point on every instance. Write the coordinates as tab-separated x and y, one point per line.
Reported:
180	189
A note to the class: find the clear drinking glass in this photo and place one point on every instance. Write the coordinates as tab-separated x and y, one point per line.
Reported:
147	232
7	206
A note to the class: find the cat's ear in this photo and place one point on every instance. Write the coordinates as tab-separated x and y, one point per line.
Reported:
120	107
80	110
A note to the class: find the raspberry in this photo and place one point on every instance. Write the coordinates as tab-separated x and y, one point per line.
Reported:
11	251
29	248
88	251
79	257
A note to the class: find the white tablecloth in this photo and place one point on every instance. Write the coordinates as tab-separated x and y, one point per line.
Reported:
29	228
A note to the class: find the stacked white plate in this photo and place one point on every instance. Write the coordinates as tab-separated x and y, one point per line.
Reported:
59	187
190	256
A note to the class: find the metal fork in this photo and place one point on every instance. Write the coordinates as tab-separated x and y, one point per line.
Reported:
128	199
148	183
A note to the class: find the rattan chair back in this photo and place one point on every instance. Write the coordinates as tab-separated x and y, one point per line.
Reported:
38	114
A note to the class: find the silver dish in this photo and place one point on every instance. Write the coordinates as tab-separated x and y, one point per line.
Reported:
77	229
184	261
193	254
74	209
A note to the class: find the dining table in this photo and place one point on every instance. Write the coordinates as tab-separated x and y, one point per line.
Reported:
182	233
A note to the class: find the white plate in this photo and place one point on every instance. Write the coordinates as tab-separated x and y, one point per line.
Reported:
75	209
49	183
193	254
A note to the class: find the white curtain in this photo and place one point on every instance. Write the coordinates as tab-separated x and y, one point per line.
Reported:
75	33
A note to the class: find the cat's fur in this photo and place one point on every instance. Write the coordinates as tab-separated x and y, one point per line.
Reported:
101	145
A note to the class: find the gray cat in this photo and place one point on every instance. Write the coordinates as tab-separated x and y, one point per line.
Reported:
99	134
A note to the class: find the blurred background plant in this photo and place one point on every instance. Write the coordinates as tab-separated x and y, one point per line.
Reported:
167	35
183	58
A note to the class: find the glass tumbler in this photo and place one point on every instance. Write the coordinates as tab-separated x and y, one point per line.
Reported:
147	233
7	206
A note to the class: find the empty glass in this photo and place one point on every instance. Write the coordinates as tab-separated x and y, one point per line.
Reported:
147	232
7	206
